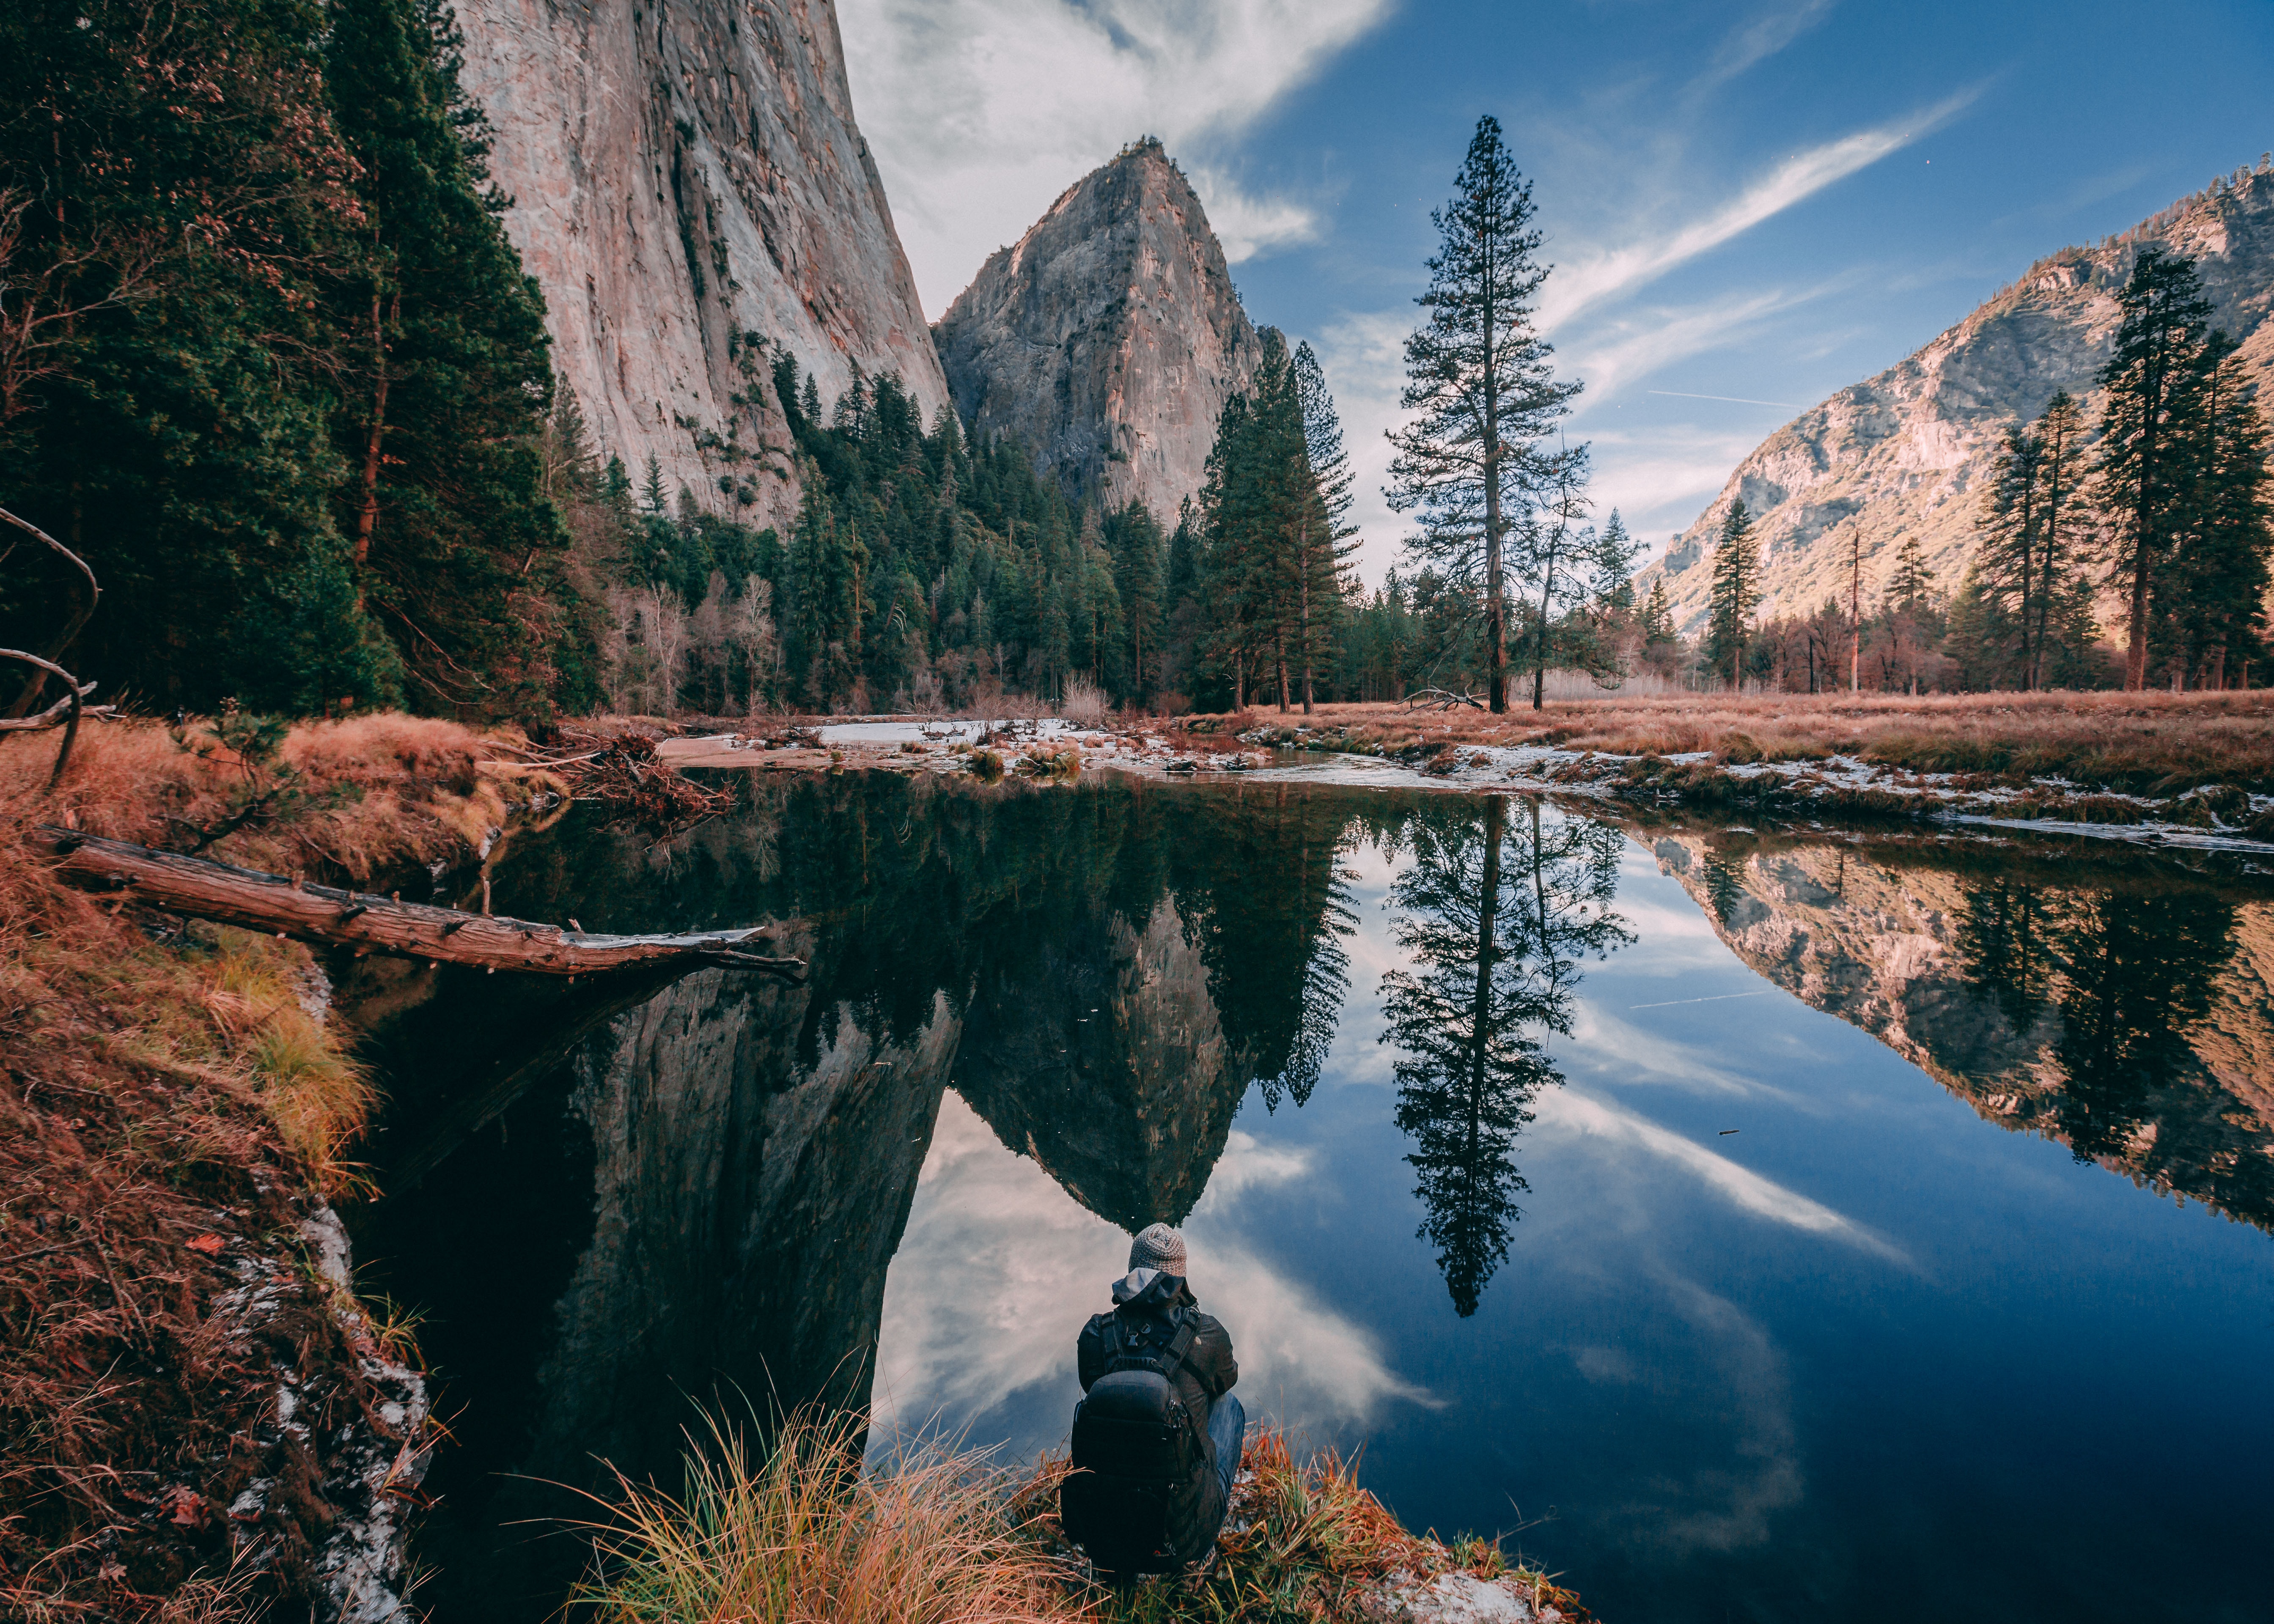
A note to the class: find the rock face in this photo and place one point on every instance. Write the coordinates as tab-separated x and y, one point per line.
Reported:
1906	452
1107	340
1106	1062
2132	1022
682	175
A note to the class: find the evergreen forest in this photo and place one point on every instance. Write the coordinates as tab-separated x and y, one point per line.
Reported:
271	367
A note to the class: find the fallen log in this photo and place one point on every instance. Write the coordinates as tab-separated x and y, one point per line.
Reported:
324	914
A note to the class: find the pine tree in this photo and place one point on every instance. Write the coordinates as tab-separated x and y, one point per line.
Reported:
2063	517
450	400
1546	538
2153	381
1735	593
1616	553
1478	383
2006	575
1139	550
1324	544
2209	601
1912	583
1657	616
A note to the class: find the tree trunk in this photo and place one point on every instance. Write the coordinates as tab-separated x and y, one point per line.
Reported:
368	516
2136	647
1855	612
1306	612
1539	642
252	900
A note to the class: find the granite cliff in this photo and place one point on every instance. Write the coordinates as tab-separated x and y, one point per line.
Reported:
683	177
2131	1021
1905	453
1107	338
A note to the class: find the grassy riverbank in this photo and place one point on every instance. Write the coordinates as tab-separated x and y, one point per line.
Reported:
176	1368
938	1536
2204	761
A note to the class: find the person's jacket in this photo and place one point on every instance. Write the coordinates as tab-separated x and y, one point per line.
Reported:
1208	1371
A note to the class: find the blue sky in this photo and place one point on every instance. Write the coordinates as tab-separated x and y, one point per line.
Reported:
1763	201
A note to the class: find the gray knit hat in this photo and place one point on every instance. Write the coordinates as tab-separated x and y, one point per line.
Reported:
1157	1246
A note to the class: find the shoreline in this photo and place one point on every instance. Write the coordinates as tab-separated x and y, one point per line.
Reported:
2224	806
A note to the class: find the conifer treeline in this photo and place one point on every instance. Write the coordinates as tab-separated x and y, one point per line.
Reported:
2162	505
269	363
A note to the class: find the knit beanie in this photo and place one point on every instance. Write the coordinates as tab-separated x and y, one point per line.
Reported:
1157	1246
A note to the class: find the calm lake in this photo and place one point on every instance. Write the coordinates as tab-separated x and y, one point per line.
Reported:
1792	1225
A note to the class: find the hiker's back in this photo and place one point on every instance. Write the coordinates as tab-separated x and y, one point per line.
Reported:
1150	1487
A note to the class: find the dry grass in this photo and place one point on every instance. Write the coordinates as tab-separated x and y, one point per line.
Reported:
2154	743
171	1109
804	1534
938	1536
381	789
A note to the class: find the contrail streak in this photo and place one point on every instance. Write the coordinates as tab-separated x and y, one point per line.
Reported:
1734	399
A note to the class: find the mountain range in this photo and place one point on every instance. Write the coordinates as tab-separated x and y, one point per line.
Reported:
691	189
1904	453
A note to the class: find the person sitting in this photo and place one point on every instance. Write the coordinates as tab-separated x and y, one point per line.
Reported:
1157	1437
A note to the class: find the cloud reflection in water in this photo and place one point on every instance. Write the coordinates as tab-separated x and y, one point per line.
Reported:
1000	1266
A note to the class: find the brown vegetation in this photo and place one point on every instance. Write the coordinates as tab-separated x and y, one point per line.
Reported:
170	1111
2150	742
937	1534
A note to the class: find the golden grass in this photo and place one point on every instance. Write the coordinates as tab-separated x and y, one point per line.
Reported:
2134	741
935	1535
382	788
173	1105
804	1535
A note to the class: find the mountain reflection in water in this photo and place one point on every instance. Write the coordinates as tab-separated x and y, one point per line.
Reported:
1321	1029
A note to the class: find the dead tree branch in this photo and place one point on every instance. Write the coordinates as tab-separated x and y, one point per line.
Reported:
323	914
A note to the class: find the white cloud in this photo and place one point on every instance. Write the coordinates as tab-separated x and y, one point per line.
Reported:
997	1257
1604	274
1659	478
1586	1114
981	112
1757	40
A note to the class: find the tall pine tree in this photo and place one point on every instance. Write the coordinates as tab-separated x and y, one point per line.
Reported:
1479	384
2154	381
1736	593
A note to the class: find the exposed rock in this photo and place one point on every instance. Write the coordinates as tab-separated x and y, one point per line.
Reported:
747	1207
1106	1062
1906	452
1107	340
2130	1023
683	175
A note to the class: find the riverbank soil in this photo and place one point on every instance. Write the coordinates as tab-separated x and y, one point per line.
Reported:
2136	742
2196	762
197	1418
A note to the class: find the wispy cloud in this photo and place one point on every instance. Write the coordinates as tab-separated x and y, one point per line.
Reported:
1599	276
1765	1197
981	112
1759	40
1614	354
998	1256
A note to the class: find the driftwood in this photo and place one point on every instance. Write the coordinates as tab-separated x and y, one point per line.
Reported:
1440	699
197	886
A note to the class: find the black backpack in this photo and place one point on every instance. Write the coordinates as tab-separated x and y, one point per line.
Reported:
1137	1497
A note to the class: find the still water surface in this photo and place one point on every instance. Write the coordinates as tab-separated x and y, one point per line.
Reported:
1759	1226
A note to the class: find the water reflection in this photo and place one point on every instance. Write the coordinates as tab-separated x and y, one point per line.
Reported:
1035	1019
2123	1007
1494	922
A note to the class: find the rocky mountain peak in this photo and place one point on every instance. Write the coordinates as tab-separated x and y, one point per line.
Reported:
1906	452
684	178
1107	338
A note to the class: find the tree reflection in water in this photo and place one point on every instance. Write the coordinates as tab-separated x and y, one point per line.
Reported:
2128	975
1495	920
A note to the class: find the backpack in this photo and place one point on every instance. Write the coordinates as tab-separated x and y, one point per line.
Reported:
1135	1497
